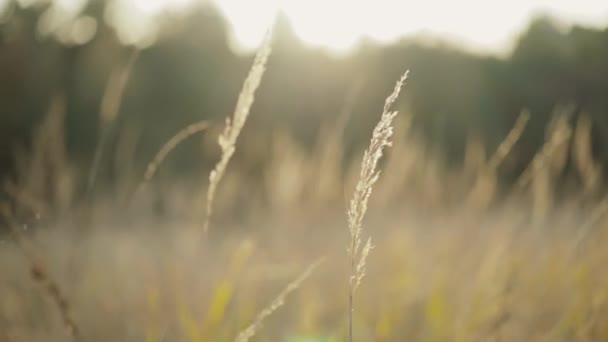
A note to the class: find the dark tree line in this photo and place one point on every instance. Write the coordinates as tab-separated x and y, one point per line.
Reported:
191	73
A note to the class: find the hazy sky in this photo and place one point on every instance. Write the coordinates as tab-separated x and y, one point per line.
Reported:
482	25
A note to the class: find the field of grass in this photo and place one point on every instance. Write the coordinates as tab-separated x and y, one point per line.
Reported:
455	254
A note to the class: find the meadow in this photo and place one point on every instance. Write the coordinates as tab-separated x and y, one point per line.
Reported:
456	254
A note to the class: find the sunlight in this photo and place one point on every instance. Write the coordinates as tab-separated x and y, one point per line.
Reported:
249	19
155	6
340	24
335	24
135	20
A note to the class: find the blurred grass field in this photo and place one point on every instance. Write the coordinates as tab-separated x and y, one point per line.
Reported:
445	278
446	265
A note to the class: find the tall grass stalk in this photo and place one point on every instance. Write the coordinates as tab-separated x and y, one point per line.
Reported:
108	112
279	301
169	146
485	185
589	169
357	251
509	141
234	125
548	156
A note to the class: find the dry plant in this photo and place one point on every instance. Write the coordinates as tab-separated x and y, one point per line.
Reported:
169	146
589	170
399	166
506	146
108	112
484	187
234	125
550	156
546	166
279	301
560	132
41	276
358	252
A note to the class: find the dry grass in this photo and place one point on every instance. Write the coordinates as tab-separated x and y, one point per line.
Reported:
169	146
590	171
551	157
108	113
485	184
276	303
358	252
426	282
232	130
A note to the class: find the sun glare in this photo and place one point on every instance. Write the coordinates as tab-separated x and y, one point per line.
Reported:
249	19
340	24
487	26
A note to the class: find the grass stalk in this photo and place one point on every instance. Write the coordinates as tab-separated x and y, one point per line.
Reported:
169	146
357	251
234	125
108	112
279	301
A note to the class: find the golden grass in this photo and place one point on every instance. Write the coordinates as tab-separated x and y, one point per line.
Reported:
485	184
108	113
506	146
358	252
169	146
276	303
589	170
426	282
234	125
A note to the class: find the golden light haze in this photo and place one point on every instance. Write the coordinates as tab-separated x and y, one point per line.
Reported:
484	26
487	26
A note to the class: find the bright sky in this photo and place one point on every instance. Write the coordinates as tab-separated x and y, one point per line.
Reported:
482	25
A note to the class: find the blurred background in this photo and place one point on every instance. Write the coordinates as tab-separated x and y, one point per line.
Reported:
474	67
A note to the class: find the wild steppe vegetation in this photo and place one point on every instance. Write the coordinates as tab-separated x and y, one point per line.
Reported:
455	254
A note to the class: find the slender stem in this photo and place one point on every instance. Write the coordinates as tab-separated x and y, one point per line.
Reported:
109	110
350	316
351	288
